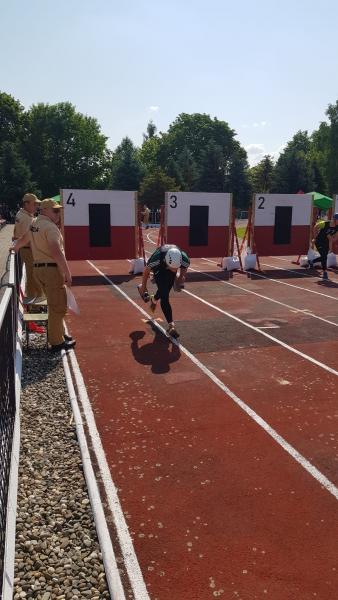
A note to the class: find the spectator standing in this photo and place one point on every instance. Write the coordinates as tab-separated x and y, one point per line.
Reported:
23	221
51	269
145	214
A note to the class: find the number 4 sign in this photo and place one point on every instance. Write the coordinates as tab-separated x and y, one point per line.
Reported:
71	199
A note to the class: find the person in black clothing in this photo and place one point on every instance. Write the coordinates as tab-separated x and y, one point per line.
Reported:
165	262
325	233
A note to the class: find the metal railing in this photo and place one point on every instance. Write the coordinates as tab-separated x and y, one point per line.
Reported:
8	401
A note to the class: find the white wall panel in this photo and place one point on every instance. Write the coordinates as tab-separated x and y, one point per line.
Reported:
265	204
122	206
178	207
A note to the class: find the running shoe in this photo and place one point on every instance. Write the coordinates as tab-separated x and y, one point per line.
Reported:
145	297
153	304
325	276
172	332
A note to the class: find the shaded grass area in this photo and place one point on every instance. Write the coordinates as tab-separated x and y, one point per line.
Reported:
240	231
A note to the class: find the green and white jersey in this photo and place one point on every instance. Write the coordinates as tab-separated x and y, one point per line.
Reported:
157	260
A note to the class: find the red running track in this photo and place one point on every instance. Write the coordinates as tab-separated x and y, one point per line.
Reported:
215	506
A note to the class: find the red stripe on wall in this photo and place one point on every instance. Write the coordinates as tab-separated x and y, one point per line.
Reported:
217	236
300	240
77	244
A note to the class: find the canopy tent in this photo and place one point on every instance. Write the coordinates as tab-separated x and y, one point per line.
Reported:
321	201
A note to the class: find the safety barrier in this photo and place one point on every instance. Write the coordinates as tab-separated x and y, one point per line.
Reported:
8	396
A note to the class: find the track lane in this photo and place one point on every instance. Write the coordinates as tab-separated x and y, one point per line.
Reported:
229	544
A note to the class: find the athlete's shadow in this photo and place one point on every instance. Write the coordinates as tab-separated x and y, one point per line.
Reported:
328	283
160	353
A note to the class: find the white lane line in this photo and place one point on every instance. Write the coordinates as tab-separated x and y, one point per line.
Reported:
150	240
311	469
294	308
130	560
283	282
258	330
332	269
306	310
293	273
267	335
108	556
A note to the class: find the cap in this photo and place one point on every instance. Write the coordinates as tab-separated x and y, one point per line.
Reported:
49	203
29	198
335	216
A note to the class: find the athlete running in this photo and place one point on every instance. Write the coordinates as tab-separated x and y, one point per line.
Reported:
165	263
325	233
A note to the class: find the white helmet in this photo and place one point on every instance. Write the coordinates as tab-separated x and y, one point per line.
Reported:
173	258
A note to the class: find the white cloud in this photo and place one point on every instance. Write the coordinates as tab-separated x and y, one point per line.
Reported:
256	152
277	152
154	108
254	149
255	124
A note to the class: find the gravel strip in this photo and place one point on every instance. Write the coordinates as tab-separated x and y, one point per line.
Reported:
57	551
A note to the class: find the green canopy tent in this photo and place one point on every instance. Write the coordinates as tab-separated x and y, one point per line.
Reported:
320	201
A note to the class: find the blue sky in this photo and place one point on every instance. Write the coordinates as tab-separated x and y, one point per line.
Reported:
268	69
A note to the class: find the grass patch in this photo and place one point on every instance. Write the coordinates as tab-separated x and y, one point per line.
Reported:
241	232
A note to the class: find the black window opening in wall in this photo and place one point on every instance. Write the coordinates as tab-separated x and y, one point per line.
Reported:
99	225
283	222
199	223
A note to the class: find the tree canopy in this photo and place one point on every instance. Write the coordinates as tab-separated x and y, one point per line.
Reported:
50	146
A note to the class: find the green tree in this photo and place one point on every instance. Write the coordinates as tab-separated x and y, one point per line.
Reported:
11	118
237	178
212	176
173	170
194	132
187	167
151	131
331	153
293	170
126	168
148	154
15	175
154	186
319	157
261	175
64	148
193	140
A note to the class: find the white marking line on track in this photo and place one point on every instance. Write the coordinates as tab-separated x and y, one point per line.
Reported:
259	329
149	240
288	260
293	308
304	275
311	469
108	555
130	559
267	335
305	310
283	282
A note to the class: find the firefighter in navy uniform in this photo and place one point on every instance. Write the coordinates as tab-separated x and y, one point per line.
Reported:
165	263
